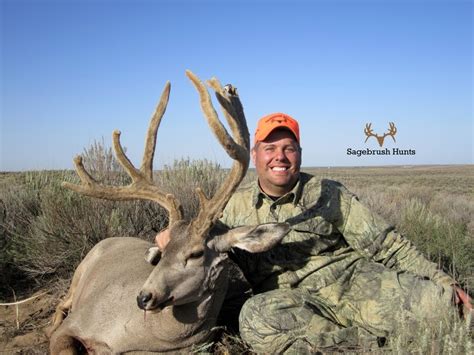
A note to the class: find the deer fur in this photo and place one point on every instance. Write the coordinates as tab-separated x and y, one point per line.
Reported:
103	316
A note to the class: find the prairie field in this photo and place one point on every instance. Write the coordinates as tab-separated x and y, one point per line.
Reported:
46	230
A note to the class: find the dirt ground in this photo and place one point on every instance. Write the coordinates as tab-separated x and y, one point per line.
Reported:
23	326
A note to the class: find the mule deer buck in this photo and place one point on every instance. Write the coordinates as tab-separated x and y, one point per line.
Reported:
179	298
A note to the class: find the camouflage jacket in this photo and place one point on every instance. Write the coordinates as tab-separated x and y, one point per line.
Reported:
330	231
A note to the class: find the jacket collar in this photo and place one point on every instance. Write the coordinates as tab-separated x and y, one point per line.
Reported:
293	196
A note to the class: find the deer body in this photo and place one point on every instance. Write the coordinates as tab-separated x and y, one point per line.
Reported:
120	303
104	312
103	316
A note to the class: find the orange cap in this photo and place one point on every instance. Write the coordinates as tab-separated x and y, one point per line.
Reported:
269	123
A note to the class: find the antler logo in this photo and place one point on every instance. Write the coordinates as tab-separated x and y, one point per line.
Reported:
392	130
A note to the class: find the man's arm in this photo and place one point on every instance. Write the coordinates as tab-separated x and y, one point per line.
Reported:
369	234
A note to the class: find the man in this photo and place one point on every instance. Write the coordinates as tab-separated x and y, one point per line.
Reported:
341	276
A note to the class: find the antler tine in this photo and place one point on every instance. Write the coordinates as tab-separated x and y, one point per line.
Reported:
231	147
368	131
392	130
85	177
238	149
233	110
150	143
141	187
123	159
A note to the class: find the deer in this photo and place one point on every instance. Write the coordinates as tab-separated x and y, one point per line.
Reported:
122	302
392	130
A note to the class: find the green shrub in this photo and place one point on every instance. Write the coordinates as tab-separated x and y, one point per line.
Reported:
185	175
47	229
443	333
443	240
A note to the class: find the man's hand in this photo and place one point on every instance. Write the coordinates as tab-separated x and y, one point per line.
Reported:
162	239
462	298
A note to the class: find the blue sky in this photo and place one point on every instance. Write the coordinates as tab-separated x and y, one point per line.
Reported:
73	71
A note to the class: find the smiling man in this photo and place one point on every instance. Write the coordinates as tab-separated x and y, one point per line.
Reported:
342	276
277	154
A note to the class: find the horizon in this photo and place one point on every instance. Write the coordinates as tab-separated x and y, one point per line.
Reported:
303	168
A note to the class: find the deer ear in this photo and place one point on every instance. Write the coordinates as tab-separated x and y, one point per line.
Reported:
254	239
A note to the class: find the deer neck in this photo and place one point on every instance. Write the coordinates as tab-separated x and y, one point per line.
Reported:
191	323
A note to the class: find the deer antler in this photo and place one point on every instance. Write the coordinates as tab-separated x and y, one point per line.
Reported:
368	131
142	186
237	148
391	131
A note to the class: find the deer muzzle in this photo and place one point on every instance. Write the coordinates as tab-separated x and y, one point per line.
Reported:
147	302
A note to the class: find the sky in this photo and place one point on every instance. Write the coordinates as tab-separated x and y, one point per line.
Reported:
73	71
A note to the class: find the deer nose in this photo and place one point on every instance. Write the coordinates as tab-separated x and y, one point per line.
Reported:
143	298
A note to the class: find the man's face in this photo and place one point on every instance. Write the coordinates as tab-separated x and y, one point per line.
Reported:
277	160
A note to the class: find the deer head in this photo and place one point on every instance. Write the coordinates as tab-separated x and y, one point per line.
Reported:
392	130
190	264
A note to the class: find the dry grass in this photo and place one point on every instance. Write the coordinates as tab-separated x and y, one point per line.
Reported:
45	230
443	333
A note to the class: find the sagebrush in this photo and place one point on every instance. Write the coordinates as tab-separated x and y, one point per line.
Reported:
45	230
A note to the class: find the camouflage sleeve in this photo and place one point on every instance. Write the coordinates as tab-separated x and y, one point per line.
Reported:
369	234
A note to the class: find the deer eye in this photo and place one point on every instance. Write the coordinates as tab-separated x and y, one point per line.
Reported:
196	254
